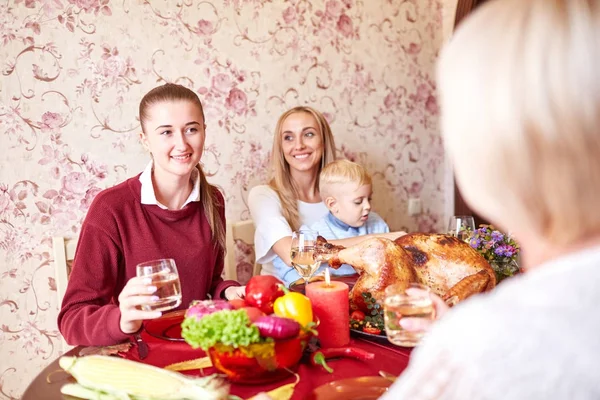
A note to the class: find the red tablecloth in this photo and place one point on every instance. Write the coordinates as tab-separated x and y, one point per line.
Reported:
387	358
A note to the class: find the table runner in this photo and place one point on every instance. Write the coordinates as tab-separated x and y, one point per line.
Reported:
387	358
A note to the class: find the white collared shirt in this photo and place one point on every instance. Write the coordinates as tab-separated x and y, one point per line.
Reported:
149	197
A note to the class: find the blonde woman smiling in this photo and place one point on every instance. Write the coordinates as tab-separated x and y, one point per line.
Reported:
303	144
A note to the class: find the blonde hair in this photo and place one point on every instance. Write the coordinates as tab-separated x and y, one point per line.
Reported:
281	181
521	115
209	194
341	172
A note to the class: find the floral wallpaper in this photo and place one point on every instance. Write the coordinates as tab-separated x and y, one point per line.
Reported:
73	73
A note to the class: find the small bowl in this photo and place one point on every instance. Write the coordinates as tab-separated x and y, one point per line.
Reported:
260	362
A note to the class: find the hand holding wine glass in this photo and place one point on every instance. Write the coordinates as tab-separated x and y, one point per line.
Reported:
137	292
156	288
164	276
303	253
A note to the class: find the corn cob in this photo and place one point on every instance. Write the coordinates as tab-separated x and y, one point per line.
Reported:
129	379
196	363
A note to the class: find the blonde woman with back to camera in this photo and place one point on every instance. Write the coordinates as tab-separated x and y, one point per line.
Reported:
303	144
520	94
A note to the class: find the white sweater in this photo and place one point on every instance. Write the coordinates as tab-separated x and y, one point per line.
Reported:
536	336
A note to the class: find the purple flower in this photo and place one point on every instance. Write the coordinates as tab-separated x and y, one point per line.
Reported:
497	236
505	250
499	251
492	244
475	242
509	251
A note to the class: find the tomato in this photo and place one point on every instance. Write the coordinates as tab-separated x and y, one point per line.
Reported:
357	315
372	330
253	313
237	303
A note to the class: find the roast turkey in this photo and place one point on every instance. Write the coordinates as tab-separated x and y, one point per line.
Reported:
449	266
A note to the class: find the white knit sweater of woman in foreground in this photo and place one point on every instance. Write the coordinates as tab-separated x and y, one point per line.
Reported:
520	99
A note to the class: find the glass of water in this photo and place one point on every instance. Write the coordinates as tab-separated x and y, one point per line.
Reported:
164	276
406	300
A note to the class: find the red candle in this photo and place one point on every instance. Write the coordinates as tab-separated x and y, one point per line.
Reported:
330	304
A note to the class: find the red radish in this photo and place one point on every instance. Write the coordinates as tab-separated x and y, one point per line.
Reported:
200	308
253	313
277	327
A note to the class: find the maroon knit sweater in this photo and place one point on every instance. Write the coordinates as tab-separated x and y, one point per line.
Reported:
120	232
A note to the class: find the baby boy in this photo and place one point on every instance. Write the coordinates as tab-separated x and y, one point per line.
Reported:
346	190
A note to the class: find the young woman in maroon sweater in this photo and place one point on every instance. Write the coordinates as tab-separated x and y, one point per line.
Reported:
168	211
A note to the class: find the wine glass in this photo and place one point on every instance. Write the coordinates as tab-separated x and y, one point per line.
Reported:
165	278
402	300
461	226
303	253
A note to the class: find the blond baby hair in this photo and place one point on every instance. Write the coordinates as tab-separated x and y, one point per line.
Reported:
341	172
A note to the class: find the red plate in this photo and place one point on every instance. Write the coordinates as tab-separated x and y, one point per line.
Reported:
167	327
363	388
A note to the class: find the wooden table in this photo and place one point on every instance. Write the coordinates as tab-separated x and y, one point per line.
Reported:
48	382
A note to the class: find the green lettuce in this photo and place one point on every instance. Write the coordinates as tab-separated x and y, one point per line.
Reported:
225	327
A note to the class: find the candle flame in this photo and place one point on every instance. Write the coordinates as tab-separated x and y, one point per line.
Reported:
327	277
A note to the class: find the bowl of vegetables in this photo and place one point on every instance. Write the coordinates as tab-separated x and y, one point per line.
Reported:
258	340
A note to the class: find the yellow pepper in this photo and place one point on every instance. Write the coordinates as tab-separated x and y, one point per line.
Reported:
295	306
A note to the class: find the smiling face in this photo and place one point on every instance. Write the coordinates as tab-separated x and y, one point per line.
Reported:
351	203
174	135
301	142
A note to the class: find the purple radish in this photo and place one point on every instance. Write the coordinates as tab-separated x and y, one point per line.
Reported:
277	327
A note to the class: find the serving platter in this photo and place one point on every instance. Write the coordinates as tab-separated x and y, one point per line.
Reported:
350	280
381	338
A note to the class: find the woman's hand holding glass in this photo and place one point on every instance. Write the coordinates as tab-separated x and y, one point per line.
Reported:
302	253
138	292
155	289
422	324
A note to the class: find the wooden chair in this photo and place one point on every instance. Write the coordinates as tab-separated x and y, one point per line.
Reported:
64	253
243	231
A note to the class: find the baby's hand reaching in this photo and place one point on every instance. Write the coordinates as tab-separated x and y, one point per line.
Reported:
235	292
392	235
